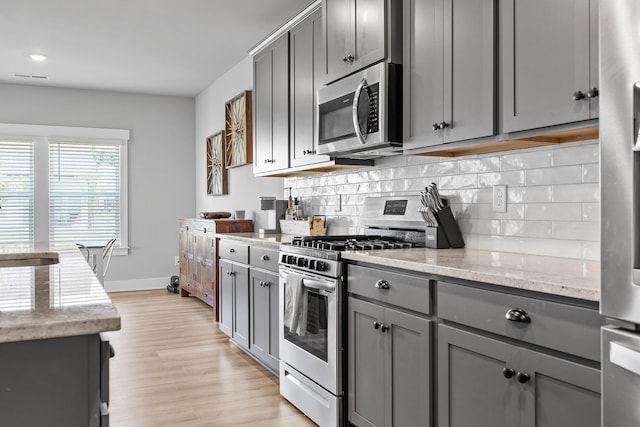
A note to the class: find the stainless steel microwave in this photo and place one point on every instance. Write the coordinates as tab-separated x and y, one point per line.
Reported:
360	116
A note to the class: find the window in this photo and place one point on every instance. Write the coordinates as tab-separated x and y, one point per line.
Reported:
16	191
63	184
84	191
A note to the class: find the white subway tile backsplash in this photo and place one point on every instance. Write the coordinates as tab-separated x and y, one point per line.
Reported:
553	196
535	194
554	175
591	173
576	154
526	160
452	182
514	178
576	193
487	164
553	211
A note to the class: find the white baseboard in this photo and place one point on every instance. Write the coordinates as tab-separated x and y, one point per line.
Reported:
136	284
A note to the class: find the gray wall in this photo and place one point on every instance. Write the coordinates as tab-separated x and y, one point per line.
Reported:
161	155
244	188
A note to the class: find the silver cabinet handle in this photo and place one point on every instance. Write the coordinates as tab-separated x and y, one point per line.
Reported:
264	257
382	284
517	315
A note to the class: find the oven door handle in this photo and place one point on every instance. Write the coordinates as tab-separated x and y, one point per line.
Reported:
354	113
321	285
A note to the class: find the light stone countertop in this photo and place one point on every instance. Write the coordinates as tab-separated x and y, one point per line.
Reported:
58	300
552	275
265	240
567	277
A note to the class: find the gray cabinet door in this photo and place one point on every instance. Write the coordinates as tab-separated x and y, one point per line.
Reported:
336	28
353	29
449	71
226	297
545	47
368	39
407	370
469	69
271	107
472	389
559	392
306	75
366	397
264	317
240	305
423	43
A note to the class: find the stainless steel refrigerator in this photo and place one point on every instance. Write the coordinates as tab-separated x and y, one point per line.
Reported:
620	201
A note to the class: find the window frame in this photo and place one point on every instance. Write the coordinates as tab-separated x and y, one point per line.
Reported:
42	135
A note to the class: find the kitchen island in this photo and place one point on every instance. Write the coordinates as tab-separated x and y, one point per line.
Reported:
54	359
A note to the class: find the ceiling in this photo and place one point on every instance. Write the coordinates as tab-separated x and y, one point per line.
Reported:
169	47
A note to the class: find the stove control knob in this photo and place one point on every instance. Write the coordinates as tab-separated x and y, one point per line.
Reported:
284	259
312	264
302	262
321	266
291	260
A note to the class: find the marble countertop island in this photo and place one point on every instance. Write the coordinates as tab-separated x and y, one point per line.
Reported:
50	301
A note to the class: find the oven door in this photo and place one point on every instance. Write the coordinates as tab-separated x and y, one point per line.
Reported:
312	347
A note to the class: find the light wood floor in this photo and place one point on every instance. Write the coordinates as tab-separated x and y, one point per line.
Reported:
173	367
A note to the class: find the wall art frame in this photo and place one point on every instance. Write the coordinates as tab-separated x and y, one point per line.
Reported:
217	184
238	130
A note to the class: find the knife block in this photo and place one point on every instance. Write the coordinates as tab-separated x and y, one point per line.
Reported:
435	238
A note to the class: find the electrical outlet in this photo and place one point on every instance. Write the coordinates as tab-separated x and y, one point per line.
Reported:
176	260
499	198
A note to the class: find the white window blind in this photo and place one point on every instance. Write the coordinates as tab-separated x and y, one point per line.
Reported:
16	191
84	191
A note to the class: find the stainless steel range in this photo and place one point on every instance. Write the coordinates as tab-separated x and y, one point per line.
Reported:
312	305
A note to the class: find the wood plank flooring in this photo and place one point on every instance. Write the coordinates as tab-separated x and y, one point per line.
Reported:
173	367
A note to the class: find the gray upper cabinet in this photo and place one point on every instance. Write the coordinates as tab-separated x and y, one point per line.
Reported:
271	107
354	35
389	367
449	71
549	62
306	62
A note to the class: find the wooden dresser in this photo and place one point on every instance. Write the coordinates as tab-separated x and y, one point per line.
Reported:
198	255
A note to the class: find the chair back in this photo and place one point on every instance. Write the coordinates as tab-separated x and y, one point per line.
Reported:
106	255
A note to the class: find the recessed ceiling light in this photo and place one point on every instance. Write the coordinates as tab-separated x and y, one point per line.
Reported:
38	56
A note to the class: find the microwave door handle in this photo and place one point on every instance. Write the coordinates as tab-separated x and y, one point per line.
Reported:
356	121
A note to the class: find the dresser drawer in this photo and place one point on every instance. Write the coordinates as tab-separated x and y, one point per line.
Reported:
234	251
402	290
563	327
264	258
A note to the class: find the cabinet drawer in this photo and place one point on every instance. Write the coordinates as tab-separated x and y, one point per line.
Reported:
563	327
402	290
234	251
264	258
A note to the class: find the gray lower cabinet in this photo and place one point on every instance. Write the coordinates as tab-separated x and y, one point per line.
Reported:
271	107
389	366
263	317
55	382
486	382
234	301
449	71
549	63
